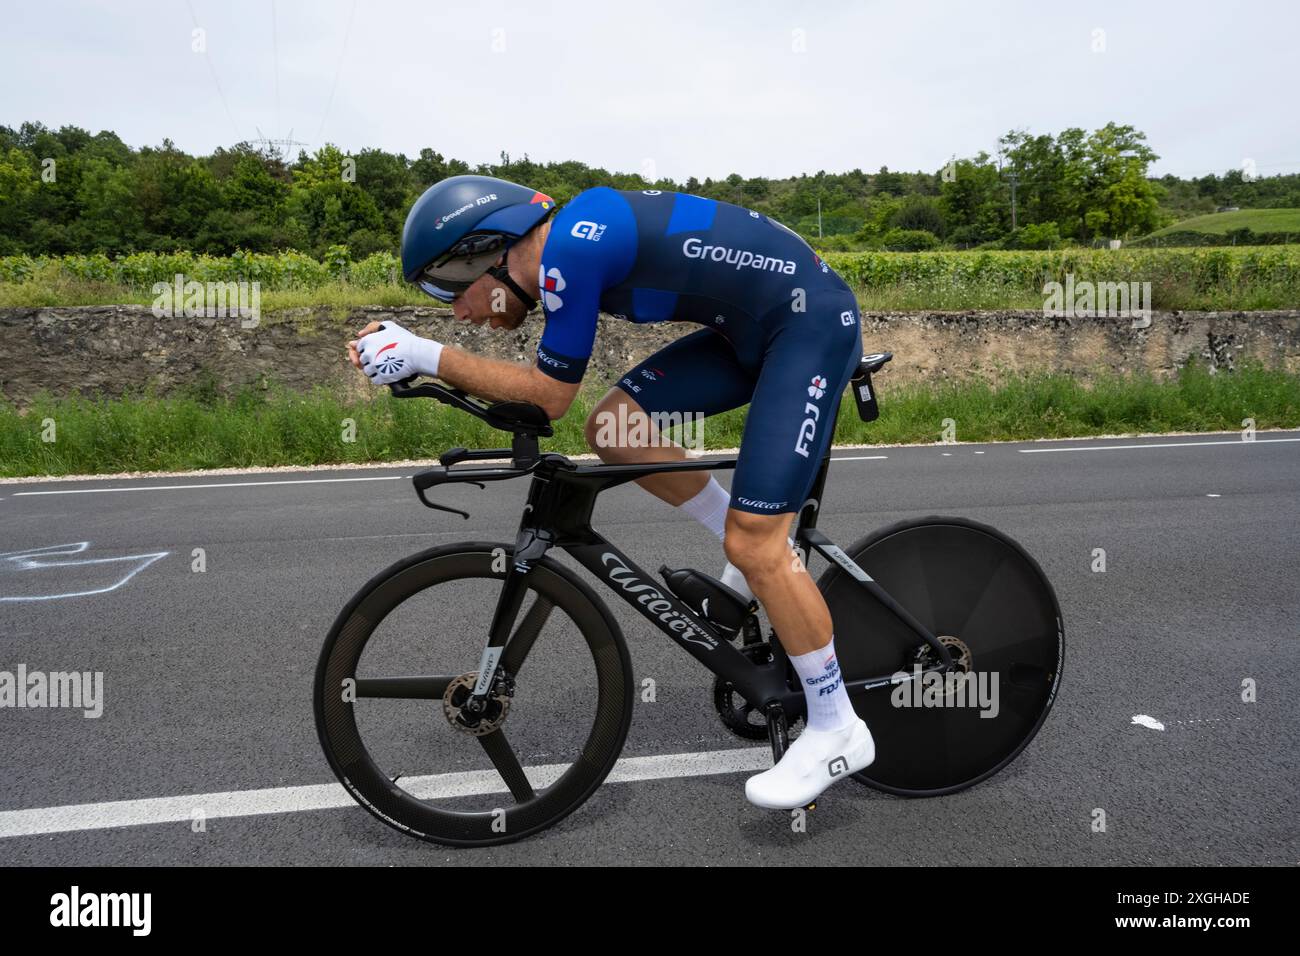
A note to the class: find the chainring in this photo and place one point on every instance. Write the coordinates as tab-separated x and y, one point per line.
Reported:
737	715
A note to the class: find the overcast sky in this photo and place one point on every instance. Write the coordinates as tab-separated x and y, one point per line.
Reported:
766	87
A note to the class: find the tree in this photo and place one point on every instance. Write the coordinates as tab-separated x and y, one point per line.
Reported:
972	202
919	212
1119	187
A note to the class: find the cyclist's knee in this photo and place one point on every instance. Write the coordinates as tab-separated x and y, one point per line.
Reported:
756	544
602	428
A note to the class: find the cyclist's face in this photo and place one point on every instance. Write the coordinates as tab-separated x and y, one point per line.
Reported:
488	301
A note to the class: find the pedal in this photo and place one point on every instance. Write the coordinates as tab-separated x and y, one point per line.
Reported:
710	598
778	731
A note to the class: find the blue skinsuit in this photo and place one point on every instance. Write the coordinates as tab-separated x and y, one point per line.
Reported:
780	329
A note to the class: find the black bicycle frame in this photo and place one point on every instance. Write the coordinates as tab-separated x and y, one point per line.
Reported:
561	499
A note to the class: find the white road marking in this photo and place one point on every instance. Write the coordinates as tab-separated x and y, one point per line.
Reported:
287	481
224	484
329	796
1142	720
1214	496
1179	444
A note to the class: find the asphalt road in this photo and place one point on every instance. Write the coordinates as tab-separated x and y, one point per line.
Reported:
207	675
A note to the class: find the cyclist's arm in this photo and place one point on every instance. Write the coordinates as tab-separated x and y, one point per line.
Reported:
505	381
591	246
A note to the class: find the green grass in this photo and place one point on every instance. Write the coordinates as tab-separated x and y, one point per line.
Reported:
1222	223
280	428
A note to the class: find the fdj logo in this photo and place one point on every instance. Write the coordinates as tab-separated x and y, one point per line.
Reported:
588	230
808	429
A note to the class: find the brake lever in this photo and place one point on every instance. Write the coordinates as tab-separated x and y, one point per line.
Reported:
437	507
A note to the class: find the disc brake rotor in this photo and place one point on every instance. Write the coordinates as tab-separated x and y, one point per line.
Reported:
494	713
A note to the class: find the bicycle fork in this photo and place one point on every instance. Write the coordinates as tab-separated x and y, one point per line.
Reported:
530	544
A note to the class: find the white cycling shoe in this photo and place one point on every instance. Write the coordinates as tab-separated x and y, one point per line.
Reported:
816	760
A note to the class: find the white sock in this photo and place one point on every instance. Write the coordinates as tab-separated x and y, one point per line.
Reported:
829	707
709	507
733	579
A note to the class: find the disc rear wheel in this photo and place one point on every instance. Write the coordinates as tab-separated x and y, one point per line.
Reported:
989	602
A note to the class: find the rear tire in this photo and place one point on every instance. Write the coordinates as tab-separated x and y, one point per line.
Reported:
964	580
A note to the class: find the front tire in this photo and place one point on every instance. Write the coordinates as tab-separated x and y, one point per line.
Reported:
440	603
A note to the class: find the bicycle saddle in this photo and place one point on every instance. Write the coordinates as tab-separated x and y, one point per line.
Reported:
872	363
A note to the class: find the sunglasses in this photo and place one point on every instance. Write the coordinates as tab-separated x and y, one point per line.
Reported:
452	273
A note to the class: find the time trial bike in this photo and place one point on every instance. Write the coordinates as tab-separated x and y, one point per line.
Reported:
479	692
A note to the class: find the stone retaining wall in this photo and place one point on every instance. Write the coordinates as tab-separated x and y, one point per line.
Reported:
113	349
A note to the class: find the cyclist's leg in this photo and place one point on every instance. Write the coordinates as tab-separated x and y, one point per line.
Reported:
791	418
691	378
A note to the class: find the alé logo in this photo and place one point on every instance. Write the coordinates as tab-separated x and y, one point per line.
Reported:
550	282
588	230
808	429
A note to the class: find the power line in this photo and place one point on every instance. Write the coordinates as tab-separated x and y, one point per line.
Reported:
275	56
279	146
213	70
337	70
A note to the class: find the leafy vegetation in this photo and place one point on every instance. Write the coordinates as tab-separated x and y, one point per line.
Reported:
1241	278
67	191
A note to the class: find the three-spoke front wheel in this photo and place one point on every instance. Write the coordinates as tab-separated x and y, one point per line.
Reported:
400	662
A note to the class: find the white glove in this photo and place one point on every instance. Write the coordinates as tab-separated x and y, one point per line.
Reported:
393	354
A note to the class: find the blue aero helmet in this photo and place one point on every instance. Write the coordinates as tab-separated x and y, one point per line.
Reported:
460	226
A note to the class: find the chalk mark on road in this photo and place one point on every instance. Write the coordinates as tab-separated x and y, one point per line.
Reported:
32	560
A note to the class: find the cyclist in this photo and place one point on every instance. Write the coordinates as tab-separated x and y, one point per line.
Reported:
780	331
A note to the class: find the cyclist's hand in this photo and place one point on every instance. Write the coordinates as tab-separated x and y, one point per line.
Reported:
389	353
353	356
